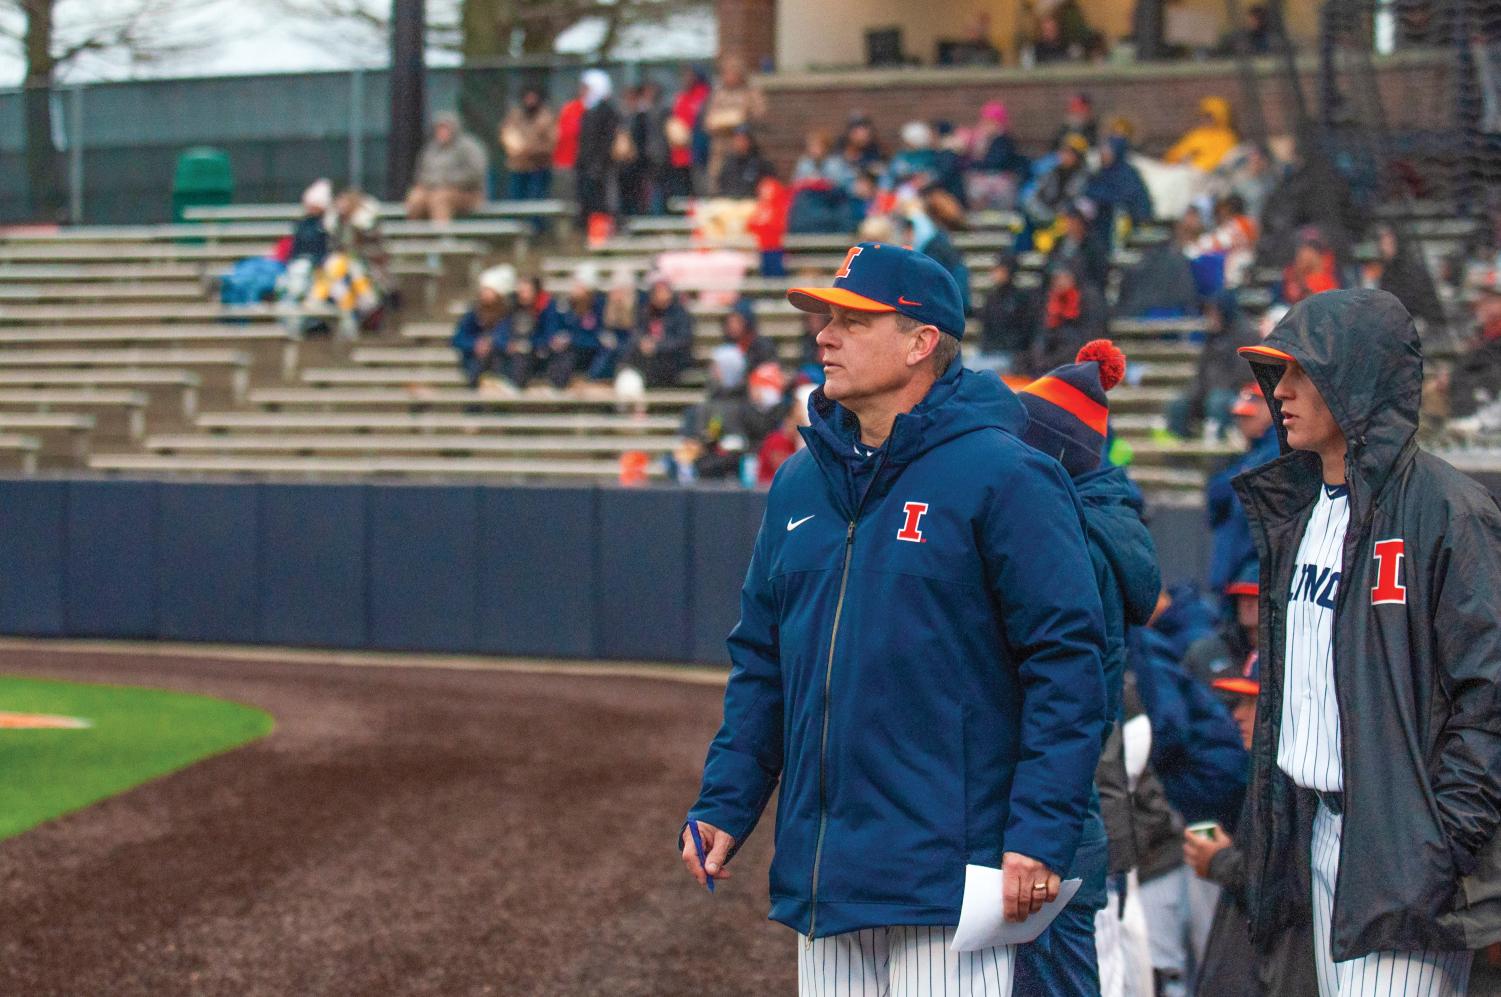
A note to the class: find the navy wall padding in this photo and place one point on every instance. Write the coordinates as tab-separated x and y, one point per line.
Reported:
312	565
33	556
111	559
206	578
423	556
724	531
538	571
1182	540
644	561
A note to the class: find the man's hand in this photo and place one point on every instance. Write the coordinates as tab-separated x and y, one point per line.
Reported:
1199	851
717	845
1020	879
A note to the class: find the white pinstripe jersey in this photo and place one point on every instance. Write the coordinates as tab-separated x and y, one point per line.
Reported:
1309	745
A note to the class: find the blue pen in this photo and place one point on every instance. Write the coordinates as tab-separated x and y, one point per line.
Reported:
698	846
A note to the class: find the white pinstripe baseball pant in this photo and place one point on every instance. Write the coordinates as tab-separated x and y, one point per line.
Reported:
905	961
1380	974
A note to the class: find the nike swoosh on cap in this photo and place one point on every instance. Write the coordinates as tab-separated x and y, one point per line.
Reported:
903	301
792	526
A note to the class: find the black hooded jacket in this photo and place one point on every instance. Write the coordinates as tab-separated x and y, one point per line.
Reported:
1416	672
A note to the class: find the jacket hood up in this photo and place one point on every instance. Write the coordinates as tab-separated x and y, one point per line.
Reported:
1112	518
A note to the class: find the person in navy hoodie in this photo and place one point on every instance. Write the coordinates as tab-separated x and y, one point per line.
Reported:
1231	548
918	657
1069	417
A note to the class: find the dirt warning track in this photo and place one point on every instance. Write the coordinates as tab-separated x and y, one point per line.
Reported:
403	831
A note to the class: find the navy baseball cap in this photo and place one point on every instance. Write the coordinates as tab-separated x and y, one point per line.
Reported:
881	277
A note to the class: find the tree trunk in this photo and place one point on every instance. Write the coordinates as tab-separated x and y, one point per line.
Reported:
44	192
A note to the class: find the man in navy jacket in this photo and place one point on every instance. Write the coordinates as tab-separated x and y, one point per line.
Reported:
918	658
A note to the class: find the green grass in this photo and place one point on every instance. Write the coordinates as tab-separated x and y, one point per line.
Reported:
136	734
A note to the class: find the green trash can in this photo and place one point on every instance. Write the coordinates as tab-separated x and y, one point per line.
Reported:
202	178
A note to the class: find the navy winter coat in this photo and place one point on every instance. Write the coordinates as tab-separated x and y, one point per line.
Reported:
1232	546
917	660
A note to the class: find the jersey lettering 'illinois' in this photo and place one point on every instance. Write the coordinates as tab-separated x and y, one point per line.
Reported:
1314	583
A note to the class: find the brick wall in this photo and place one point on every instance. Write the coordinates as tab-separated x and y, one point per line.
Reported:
748	28
1159	100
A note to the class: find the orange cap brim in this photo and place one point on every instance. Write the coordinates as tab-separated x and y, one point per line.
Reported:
818	299
1243	588
1266	353
1247	408
1240	686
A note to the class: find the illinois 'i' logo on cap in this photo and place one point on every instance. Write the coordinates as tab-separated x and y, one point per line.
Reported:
849	257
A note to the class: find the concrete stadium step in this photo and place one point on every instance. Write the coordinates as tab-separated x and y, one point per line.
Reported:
374	444
19	452
360	467
107	272
118	413
389	211
219	368
63	434
346	397
435	422
135	312
211	233
273	350
177	290
447	376
1168	479
1187	454
213	256
178	390
1134	401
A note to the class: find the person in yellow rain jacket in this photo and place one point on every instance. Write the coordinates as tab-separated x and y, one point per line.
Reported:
1205	144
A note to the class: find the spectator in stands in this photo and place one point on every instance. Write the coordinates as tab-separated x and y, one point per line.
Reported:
354	277
821	184
1218	373
1162	285
1398	270
810	354
734	104
859	145
529	135
1234	238
683	126
976	49
742	167
451	171
713	438
1227	652
596	166
1056	190
1475	383
1231	547
1255	38
1081	246
1078	119
1205	145
574	344
534	321
310	234
948	160
619	324
565	153
1117	191
785	440
1074	313
1008	322
996	165
1311	271
917	162
740	327
1049	46
662	346
649	135
768	224
1254	175
931	222
482	332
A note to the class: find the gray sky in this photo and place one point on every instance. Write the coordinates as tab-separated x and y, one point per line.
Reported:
237	37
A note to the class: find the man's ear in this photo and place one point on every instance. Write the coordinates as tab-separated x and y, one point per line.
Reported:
924	342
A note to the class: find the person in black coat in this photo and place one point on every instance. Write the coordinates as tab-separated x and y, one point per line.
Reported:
1008	321
595	168
744	166
662	347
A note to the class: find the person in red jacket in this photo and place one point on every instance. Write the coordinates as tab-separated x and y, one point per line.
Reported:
565	152
682	128
768	223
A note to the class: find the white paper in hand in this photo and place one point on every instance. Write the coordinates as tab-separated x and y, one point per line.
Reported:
982	919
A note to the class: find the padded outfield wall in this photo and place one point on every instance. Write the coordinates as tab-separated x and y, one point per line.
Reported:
588	572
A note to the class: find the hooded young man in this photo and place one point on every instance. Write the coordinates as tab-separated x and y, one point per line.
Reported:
918	654
1379	723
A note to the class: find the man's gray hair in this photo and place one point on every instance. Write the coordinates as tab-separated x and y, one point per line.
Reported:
943	353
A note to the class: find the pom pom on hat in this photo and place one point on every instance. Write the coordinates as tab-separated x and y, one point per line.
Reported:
1110	358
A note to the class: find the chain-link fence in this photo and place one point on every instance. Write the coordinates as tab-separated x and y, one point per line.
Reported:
114	145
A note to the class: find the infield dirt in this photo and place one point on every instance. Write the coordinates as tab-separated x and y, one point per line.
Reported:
403	831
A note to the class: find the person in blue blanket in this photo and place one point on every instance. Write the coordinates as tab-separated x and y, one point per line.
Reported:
1068	420
918	657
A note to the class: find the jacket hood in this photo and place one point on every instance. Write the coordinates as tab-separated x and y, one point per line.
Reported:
1360	348
961	401
1112	517
1217	108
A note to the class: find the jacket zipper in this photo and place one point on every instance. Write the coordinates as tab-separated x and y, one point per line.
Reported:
1339	603
823	743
